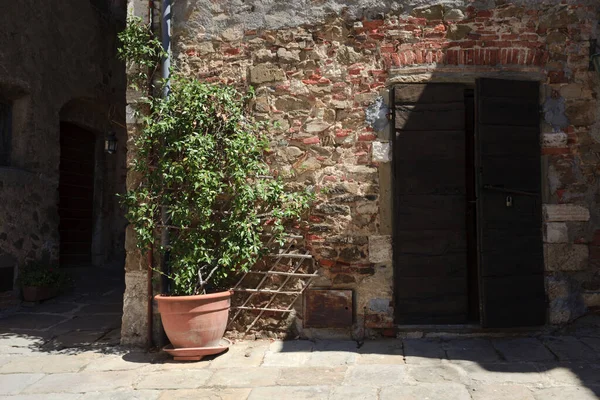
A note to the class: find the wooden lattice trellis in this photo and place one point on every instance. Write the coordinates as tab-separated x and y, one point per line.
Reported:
274	284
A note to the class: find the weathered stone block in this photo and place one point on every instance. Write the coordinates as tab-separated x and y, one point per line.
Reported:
561	18
380	249
289	103
361	173
288	56
556	288
263	73
454	15
458	32
565	212
566	257
555	139
381	152
430	12
556	232
574	90
581	112
332	209
352	254
591	299
133	328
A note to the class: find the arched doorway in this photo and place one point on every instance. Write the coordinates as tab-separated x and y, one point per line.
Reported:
76	195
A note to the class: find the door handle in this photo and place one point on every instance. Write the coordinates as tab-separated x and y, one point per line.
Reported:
507	190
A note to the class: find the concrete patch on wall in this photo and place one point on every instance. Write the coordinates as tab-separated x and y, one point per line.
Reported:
554	113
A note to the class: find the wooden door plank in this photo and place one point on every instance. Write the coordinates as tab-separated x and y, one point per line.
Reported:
429	204
442	265
509	222
430	145
430	242
514	300
431	212
434	177
439	117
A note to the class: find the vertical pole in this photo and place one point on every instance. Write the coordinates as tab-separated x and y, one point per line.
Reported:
165	32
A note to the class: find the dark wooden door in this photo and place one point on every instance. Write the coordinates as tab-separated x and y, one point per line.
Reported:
76	193
430	240
509	203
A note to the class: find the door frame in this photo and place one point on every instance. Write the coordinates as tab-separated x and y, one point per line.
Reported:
468	78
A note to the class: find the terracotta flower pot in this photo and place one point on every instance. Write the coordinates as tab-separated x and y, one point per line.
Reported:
38	293
195	321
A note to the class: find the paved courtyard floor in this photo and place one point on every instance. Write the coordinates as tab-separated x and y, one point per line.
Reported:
555	367
67	348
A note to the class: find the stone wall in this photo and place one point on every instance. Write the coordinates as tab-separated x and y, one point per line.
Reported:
57	63
323	71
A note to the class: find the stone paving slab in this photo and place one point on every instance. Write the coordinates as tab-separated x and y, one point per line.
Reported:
354	392
30	321
438	373
123	395
98	322
48	363
381	352
120	363
45	396
419	351
245	377
333	358
445	391
501	392
480	350
54	308
376	375
566	393
206	394
73	339
83	382
311	376
569	348
174	379
242	354
503	373
290	392
523	350
15	383
572	373
592	342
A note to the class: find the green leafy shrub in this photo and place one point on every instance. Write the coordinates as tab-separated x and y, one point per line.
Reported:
140	50
43	275
200	155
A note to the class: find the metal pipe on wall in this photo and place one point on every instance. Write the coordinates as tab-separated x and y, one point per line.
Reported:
165	32
150	308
